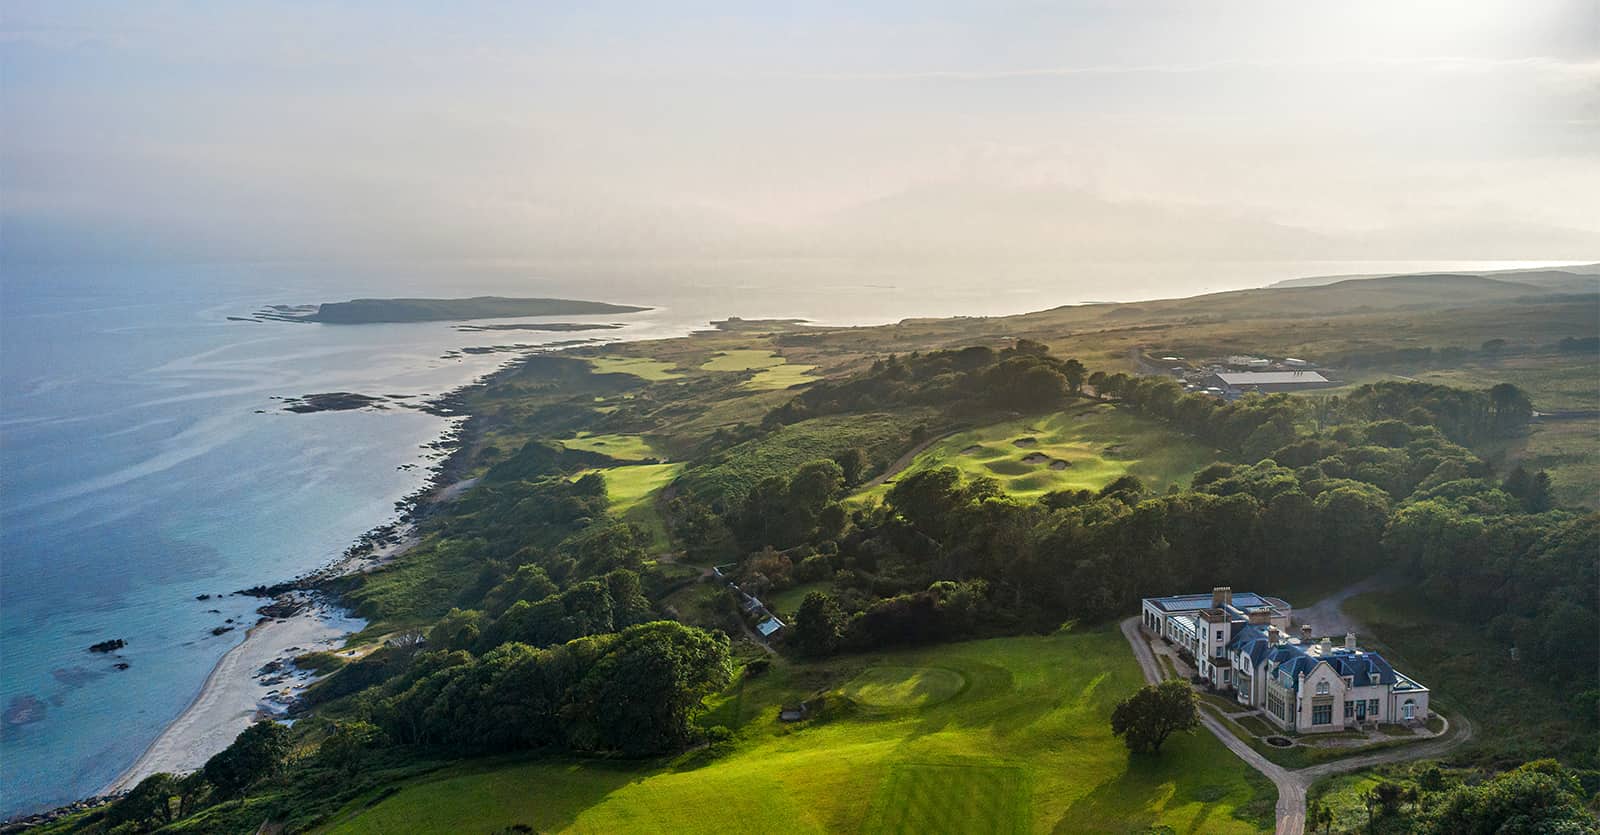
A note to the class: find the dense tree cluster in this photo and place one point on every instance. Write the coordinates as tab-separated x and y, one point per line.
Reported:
1154	712
1022	377
633	692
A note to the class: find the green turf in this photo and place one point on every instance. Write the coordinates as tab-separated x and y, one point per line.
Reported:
951	797
781	377
1025	746
775	372
641	367
620	447
1098	442
632	490
743	359
903	687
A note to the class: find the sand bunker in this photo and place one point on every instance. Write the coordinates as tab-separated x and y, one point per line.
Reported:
972	450
1035	458
1026	442
1058	464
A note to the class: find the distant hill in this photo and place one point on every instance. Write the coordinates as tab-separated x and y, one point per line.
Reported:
1576	278
375	311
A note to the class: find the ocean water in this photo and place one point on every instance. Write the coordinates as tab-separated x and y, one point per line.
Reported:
145	459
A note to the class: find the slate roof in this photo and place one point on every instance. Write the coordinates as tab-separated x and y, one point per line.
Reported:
1251	638
1292	660
1195	602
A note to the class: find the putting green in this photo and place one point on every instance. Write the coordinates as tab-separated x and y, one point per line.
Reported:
904	687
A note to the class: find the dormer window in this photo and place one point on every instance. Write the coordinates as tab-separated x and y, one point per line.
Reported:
1322	688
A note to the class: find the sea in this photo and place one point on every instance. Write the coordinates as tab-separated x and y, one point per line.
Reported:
147	461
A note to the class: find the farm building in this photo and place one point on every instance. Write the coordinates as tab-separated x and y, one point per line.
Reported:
1235	383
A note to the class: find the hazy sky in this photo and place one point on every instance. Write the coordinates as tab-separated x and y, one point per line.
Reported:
1116	130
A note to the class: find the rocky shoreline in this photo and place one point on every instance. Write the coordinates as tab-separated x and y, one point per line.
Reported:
292	609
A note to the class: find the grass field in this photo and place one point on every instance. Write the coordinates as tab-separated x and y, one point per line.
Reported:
620	447
1019	743
743	359
632	491
775	371
641	367
1568	449
781	377
1084	447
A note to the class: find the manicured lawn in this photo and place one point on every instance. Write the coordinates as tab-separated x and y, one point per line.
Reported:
896	688
632	491
620	447
776	372
743	359
781	377
641	367
1085	447
1023	744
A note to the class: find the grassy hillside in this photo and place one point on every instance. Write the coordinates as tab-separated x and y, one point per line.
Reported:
731	473
633	491
1085	447
1006	735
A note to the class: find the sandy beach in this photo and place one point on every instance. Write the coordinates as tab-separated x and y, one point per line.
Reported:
236	694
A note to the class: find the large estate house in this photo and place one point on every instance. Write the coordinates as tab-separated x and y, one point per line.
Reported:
1241	643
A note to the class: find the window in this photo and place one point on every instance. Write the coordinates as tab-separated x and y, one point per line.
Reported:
1349	710
1322	715
1219	632
1322	688
1361	709
1275	704
1408	710
1372	706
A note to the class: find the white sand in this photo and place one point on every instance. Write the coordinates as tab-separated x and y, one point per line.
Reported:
234	696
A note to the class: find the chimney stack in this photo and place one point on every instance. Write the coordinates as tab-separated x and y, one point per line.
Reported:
1350	640
1326	646
1221	596
1274	637
1305	633
1260	616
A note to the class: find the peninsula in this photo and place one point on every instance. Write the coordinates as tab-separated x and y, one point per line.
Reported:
390	311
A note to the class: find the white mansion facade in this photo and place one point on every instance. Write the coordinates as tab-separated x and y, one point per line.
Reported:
1240	643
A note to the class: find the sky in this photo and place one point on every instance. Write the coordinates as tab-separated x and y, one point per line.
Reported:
1425	129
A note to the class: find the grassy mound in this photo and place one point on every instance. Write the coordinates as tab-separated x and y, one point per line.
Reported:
1025	746
1083	448
903	687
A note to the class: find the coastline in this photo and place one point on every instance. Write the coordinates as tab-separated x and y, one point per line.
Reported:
237	692
257	679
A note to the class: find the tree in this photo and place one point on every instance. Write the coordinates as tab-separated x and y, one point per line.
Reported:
818	625
1536	797
1145	719
256	754
1074	372
149	803
853	465
1318	815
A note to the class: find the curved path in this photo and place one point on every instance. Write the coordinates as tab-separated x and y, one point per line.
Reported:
1292	785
